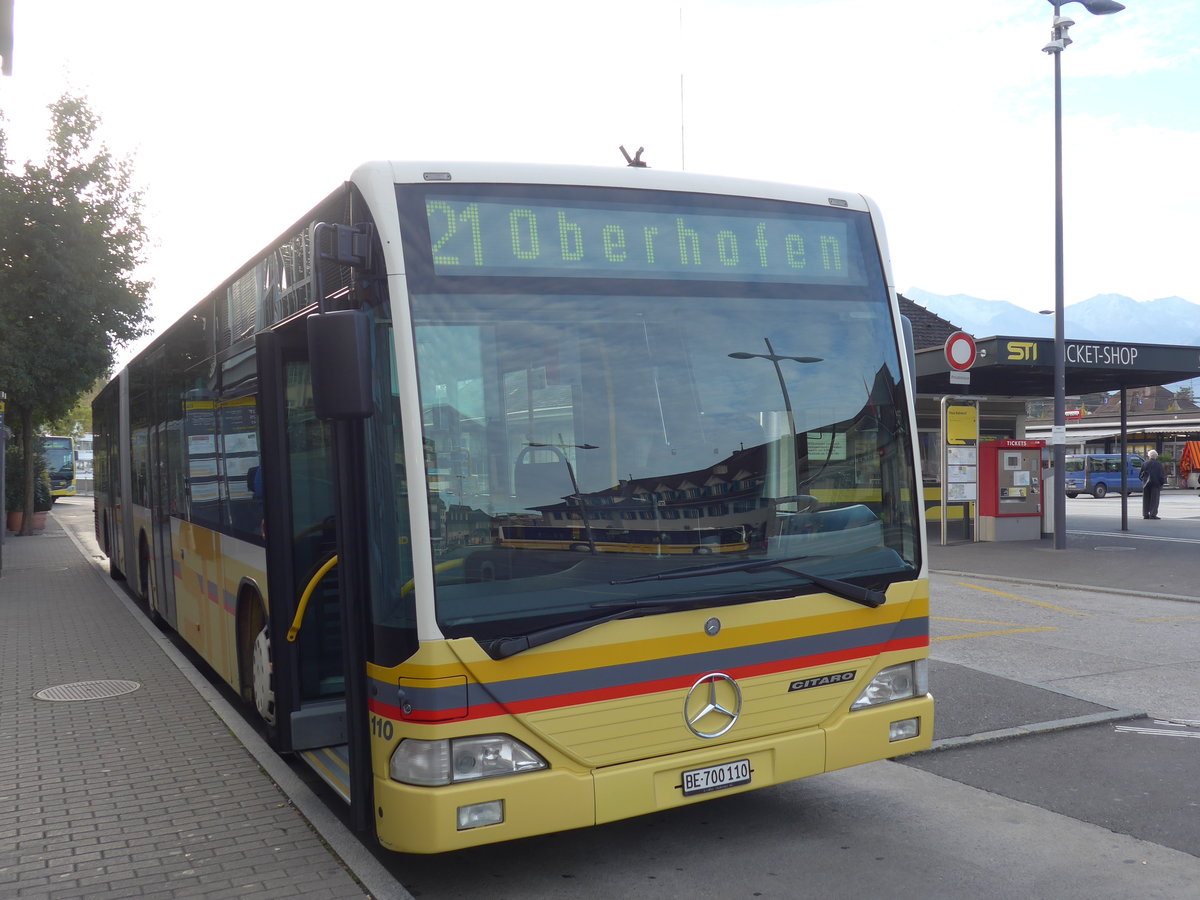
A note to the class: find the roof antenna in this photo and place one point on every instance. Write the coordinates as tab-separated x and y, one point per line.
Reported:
636	159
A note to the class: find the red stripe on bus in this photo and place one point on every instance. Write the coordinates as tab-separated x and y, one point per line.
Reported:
425	716
617	692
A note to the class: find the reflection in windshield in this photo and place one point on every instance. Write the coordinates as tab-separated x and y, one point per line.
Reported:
572	442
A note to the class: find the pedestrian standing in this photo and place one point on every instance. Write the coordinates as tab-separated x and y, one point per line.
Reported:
1153	477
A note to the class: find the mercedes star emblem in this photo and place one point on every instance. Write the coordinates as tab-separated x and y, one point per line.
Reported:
712	705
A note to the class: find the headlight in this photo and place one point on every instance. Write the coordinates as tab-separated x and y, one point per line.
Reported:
902	682
462	759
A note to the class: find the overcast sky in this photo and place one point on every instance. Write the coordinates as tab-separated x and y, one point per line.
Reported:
241	115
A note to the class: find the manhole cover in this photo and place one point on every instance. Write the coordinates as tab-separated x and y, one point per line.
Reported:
87	690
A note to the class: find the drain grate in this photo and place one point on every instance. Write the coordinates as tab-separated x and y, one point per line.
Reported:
87	690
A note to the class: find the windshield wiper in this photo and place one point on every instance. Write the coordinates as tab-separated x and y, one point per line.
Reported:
844	589
504	647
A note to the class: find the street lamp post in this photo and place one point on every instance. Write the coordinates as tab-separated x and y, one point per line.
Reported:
775	359
1058	435
587	522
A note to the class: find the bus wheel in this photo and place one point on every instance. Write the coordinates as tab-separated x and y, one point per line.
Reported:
113	572
1100	492
144	569
262	676
1072	496
144	583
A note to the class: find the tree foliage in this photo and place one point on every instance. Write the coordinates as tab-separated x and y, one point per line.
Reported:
77	421
71	238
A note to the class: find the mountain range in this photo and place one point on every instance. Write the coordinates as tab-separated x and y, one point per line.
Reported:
1105	317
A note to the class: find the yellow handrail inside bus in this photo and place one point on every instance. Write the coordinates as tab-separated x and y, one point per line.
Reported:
308	591
439	568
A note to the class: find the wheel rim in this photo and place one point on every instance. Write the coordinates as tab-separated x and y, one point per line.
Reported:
262	675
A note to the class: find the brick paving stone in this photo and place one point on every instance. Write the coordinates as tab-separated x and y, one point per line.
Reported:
145	794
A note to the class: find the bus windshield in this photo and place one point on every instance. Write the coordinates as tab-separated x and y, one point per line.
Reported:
582	434
60	456
59	453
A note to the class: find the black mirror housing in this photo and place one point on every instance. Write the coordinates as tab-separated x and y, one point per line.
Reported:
339	349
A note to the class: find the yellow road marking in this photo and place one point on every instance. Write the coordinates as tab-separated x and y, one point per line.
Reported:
1171	619
1073	612
1005	630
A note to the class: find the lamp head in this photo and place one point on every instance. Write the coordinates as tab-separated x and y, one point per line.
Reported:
1095	7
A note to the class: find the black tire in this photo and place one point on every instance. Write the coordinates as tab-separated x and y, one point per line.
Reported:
1100	491
144	570
262	679
1072	496
113	572
144	584
255	662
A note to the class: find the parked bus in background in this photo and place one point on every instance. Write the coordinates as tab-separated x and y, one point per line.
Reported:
319	474
59	453
614	540
1099	474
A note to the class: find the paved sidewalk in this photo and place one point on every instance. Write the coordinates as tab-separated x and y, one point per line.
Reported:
147	794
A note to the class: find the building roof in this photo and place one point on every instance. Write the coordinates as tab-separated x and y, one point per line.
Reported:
1010	366
929	329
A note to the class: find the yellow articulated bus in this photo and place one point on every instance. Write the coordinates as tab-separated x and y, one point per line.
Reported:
329	474
613	540
60	462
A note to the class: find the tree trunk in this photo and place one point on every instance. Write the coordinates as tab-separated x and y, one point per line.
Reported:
28	475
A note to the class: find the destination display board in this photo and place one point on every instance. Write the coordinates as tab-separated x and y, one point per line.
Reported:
546	237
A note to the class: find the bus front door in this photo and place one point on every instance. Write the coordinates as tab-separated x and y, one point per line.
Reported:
300	524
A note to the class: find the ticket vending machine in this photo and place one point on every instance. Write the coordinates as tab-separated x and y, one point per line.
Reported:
1010	490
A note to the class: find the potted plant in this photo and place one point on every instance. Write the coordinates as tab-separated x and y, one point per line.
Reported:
14	490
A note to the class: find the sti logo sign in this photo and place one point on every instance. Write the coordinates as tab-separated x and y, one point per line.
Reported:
1022	351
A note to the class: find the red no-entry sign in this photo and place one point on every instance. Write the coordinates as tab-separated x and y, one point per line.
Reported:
960	351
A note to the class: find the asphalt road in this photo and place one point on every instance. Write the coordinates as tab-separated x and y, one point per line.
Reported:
1098	811
1139	777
